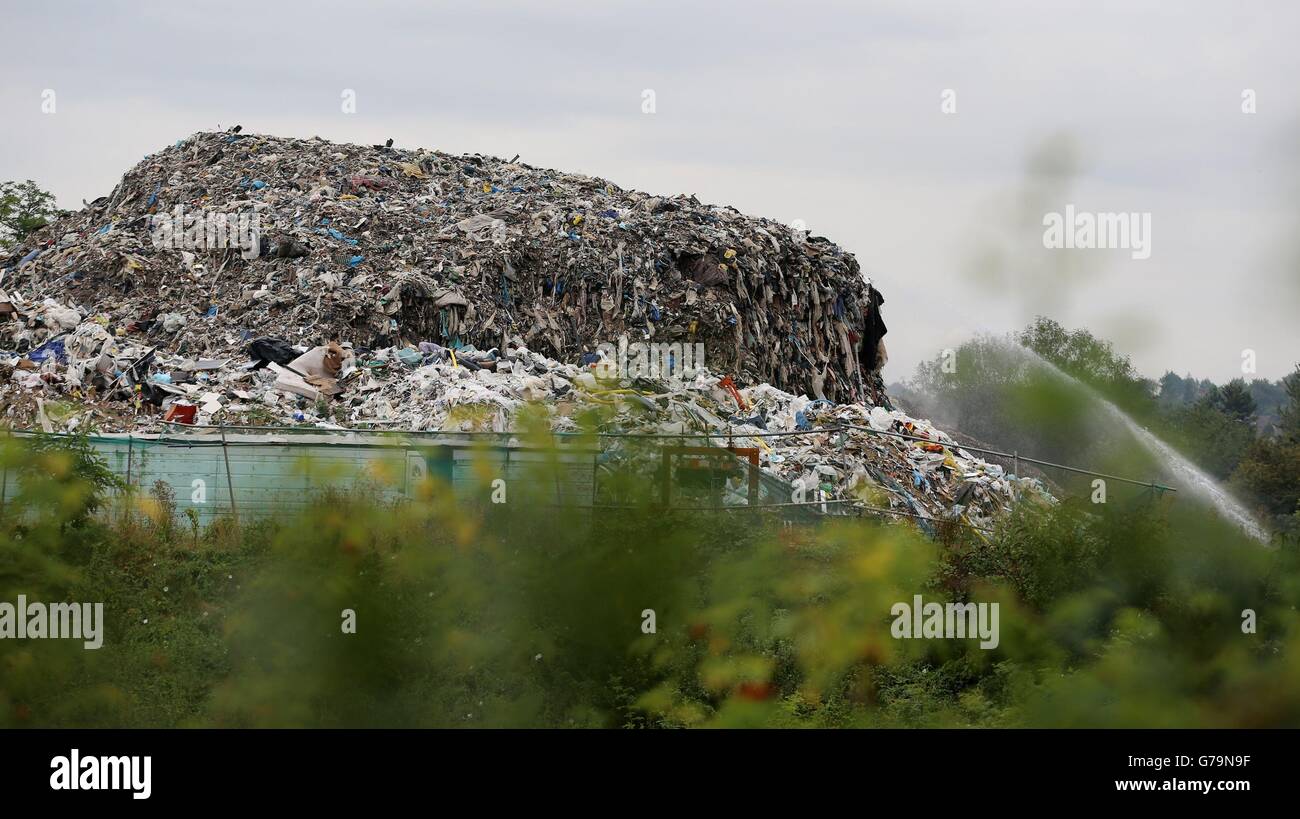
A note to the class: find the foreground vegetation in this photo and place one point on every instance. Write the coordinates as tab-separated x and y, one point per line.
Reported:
521	614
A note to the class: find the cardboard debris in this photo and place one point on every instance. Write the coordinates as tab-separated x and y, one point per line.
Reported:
387	247
412	289
291	382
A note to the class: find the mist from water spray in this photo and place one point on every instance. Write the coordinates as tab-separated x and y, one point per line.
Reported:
1189	476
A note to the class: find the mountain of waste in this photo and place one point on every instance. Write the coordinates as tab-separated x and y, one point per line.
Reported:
240	279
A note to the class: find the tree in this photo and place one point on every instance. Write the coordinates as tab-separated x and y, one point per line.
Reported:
1235	401
1092	360
24	208
1290	416
1271	470
1173	390
1208	435
1193	390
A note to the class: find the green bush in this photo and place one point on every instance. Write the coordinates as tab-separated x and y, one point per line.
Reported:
524	614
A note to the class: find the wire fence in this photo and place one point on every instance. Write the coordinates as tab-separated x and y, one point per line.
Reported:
729	435
229	436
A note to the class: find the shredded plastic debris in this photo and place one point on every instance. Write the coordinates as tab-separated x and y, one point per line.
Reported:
415	290
387	247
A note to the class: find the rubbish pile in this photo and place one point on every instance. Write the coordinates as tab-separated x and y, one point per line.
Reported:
346	286
843	458
871	457
227	237
839	455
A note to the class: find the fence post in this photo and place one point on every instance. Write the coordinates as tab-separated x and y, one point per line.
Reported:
129	493
230	484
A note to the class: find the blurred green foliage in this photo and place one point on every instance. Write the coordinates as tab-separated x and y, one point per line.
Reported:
527	614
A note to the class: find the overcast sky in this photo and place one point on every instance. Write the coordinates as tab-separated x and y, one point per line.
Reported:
826	112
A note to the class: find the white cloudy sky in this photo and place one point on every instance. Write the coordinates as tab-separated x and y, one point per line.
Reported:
827	112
